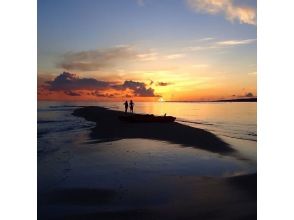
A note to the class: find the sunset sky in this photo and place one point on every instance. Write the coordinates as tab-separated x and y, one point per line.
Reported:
147	50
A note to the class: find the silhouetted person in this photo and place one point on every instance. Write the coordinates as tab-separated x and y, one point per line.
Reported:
126	106
132	106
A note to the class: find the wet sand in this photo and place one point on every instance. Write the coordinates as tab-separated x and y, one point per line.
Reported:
171	197
86	194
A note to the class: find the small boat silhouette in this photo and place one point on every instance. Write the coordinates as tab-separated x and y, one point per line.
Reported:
146	118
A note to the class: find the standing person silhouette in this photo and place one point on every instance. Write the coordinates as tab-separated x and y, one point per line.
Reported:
126	106
132	106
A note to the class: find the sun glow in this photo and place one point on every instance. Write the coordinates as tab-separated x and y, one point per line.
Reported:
161	99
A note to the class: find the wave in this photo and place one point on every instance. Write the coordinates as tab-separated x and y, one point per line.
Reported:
240	138
64	106
51	121
223	130
195	122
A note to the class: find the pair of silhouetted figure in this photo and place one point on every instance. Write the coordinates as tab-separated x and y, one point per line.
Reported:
126	104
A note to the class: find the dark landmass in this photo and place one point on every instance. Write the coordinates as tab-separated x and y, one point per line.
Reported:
253	99
238	100
110	128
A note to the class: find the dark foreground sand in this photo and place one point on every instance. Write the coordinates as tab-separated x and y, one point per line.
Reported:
180	197
165	197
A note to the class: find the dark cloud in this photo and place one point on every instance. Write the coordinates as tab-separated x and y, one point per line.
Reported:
68	82
96	59
249	94
98	93
246	95
71	93
163	83
138	88
71	85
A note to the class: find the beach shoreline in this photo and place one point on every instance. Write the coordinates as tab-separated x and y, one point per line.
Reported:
110	128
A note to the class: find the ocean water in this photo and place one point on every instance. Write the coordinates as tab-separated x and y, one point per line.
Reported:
66	153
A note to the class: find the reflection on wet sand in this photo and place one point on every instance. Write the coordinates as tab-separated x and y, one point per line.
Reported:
171	197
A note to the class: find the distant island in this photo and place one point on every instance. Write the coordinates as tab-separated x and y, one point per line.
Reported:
253	99
238	100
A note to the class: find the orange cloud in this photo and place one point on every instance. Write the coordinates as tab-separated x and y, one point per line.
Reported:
232	12
71	86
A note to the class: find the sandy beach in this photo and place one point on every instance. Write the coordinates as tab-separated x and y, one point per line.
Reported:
110	128
120	170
